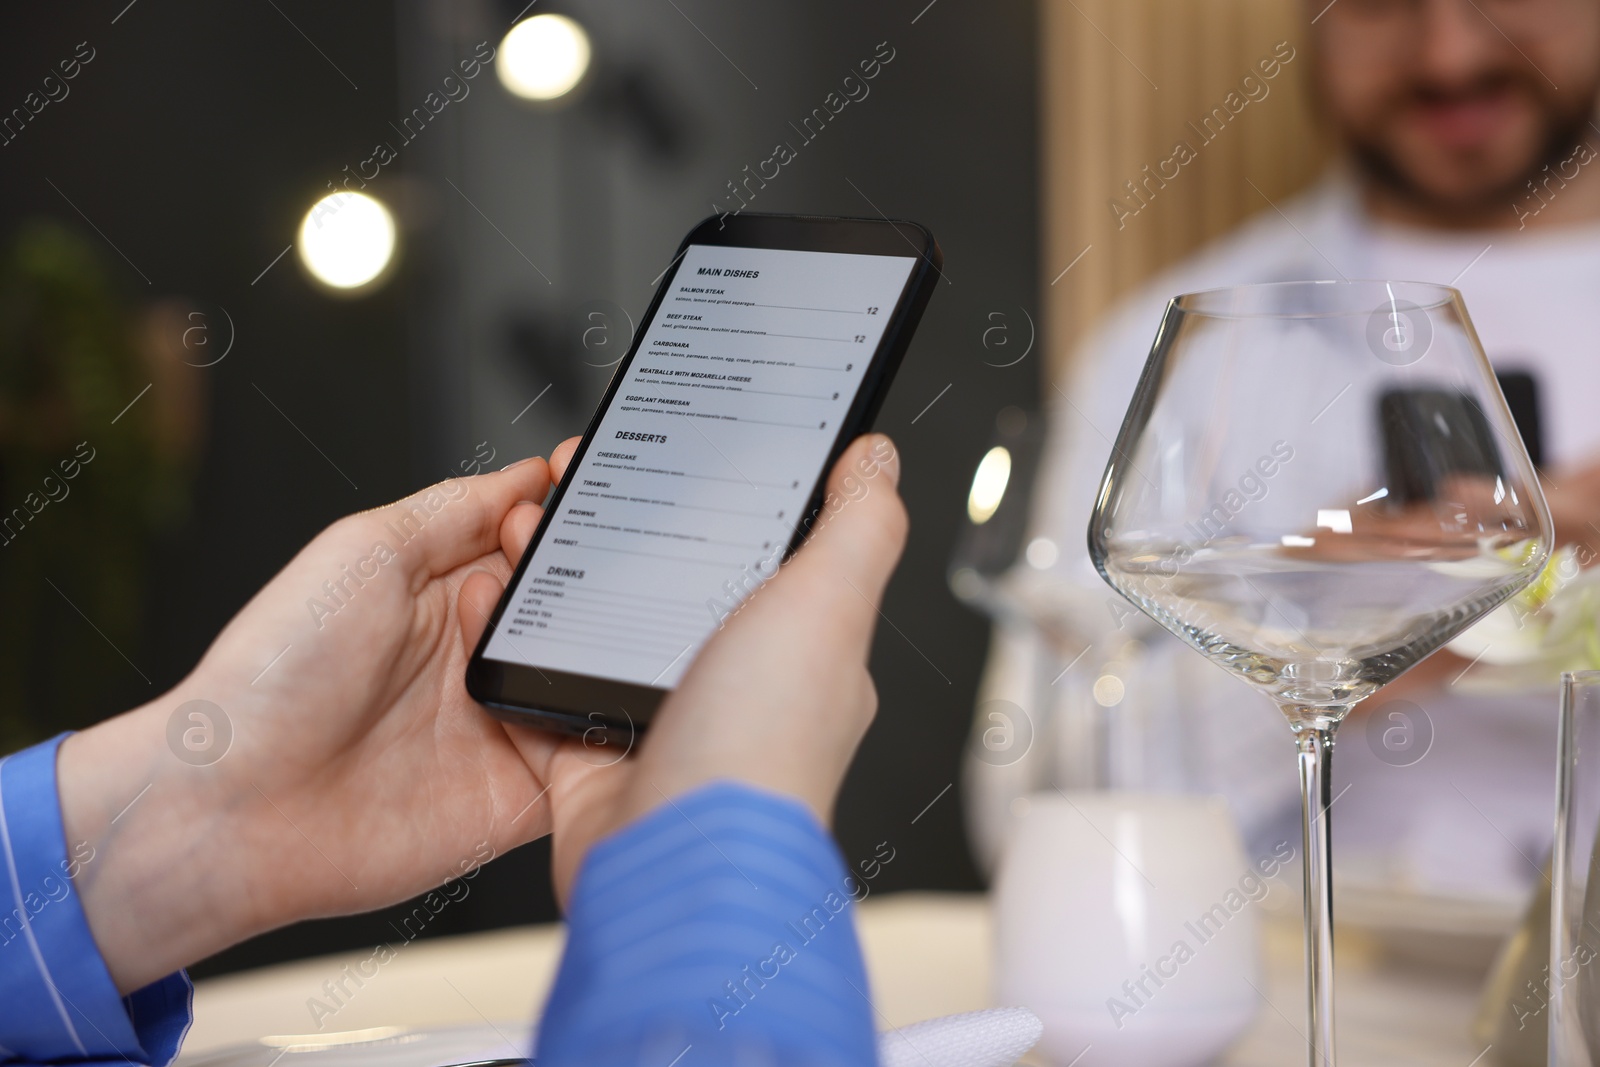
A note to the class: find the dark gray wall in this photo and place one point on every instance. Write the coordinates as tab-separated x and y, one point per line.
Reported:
200	133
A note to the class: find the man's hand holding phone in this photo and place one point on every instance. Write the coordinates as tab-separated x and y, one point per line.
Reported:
359	772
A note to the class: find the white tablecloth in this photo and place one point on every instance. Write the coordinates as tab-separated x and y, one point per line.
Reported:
927	955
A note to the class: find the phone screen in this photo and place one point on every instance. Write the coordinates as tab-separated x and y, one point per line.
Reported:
699	470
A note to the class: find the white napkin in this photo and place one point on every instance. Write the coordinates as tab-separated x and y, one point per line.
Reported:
994	1038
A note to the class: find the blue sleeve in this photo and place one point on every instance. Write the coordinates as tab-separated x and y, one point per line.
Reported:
721	923
58	1003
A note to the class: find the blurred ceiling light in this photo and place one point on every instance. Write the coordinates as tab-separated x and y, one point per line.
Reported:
1108	690
989	485
1042	553
346	240
544	57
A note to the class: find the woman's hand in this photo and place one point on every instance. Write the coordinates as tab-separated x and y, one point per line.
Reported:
358	772
324	757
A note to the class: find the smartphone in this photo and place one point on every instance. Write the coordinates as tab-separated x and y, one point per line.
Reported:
766	350
1430	435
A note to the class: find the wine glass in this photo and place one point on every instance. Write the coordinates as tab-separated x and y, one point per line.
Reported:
1317	484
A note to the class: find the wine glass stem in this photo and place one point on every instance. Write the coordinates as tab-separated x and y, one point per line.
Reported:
1316	757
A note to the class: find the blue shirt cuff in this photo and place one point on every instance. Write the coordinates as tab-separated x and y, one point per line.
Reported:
60	1004
722	922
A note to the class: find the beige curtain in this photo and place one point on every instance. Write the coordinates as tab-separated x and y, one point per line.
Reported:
1125	83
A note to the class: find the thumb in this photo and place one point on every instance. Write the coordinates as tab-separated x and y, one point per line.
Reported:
458	521
480	592
854	543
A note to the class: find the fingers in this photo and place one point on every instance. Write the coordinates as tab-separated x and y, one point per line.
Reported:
560	456
523	519
455	522
479	594
838	576
517	530
1574	508
1584	476
861	530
